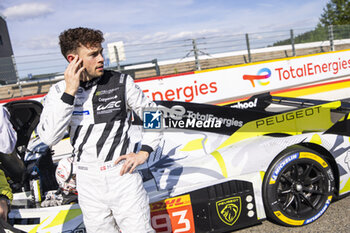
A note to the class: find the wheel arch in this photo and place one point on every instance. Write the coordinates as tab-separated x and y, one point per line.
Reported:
330	159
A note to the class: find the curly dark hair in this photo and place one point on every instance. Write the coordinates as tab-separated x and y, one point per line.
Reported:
72	38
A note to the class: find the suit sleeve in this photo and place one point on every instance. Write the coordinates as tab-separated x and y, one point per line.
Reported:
56	115
137	101
8	136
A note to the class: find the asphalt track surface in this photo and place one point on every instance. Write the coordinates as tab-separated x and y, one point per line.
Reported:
335	220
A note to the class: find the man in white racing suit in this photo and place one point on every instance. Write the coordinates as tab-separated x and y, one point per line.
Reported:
96	106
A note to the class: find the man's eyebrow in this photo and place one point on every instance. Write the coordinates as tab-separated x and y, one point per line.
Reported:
95	51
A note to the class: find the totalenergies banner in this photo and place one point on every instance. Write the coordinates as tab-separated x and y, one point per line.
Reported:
243	80
229	83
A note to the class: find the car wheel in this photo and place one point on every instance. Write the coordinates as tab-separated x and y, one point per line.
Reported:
298	187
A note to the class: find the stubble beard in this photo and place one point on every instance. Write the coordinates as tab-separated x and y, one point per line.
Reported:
95	75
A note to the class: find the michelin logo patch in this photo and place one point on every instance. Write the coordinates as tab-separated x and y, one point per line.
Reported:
310	220
152	119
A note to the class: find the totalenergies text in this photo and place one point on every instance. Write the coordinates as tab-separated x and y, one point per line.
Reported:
187	93
310	69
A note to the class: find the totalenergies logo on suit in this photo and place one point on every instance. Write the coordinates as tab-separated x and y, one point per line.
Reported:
260	78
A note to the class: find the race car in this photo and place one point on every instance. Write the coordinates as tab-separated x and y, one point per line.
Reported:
223	168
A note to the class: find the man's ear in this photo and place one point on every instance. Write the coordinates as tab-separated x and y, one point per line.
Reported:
70	57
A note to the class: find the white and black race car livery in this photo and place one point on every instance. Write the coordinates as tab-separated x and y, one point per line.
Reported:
221	168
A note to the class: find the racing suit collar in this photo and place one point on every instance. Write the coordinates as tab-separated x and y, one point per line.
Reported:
88	84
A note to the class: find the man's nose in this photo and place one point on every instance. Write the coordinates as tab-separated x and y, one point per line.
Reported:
101	58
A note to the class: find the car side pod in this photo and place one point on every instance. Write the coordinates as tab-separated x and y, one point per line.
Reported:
224	207
218	208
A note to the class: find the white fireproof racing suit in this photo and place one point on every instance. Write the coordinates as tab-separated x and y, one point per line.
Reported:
8	135
98	120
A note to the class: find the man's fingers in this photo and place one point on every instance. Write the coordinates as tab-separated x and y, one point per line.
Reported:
73	67
80	71
84	76
131	162
133	168
79	63
72	63
124	169
76	58
128	166
119	159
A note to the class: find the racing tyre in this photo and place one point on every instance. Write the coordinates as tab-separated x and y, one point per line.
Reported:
298	187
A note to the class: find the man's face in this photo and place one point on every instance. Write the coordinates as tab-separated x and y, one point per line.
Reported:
92	60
